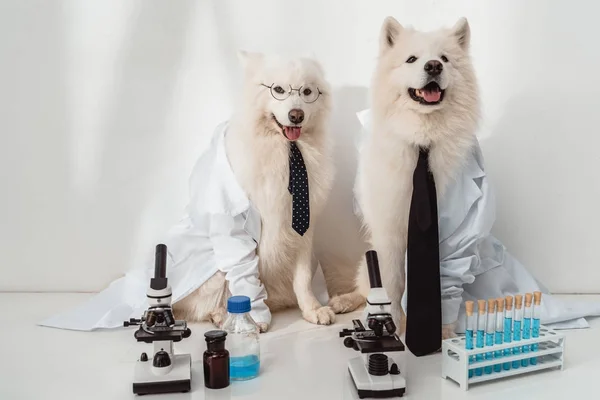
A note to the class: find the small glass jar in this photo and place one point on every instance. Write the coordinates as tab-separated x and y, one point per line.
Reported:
216	360
243	333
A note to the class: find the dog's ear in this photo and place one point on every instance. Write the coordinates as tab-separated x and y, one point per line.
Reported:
248	58
462	32
390	31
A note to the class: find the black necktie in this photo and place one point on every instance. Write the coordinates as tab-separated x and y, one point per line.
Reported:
424	305
298	188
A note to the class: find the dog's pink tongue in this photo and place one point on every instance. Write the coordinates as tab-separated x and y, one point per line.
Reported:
432	96
292	132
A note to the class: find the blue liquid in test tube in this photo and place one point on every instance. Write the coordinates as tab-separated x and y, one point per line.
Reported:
527	327
499	331
508	329
490	333
471	325
517	328
480	334
535	331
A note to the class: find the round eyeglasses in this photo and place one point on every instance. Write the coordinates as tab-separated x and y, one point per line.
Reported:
308	93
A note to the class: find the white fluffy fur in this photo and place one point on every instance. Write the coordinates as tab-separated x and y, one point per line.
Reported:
399	126
258	153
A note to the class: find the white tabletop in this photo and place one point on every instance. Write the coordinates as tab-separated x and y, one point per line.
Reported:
298	361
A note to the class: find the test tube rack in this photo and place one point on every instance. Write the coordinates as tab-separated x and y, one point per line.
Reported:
456	365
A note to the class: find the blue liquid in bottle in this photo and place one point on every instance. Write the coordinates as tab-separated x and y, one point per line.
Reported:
243	368
243	334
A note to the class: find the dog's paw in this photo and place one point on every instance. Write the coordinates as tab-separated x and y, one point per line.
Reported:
218	316
448	331
320	316
263	326
346	303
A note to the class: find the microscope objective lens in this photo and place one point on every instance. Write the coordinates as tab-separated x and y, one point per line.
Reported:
151	319
168	316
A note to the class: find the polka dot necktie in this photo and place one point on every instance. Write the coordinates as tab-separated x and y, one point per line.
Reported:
424	303
298	188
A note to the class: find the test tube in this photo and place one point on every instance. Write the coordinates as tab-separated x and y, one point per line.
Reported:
527	326
480	333
508	314
499	330
469	306
517	327
490	332
535	331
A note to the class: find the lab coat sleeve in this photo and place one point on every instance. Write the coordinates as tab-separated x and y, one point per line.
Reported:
466	218
236	256
456	270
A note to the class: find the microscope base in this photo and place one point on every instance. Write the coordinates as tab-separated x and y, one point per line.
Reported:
177	380
372	386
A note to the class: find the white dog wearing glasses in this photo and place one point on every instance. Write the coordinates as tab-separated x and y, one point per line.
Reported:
260	233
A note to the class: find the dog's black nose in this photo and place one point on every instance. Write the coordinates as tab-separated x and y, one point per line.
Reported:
296	116
434	67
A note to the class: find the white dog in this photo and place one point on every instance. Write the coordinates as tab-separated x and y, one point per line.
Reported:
424	93
283	101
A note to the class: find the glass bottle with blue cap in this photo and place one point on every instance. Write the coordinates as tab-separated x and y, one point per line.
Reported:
243	333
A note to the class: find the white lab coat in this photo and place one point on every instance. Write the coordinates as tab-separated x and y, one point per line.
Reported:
474	264
219	232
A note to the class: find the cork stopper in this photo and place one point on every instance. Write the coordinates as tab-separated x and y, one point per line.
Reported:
518	301
500	304
537	297
469	306
481	306
528	298
491	306
509	303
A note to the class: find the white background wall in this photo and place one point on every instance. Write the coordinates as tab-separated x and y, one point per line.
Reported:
105	105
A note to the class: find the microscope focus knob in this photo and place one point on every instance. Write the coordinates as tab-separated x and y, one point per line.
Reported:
161	359
144	357
349	342
394	370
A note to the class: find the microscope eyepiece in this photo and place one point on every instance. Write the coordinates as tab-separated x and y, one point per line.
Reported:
159	282
160	261
373	268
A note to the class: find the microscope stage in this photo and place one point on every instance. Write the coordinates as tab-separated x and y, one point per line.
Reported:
375	386
177	380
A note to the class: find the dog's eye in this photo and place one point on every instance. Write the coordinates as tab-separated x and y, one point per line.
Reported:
279	89
307	92
411	59
444	58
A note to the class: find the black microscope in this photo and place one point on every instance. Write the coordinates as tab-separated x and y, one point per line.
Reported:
374	373
165	372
